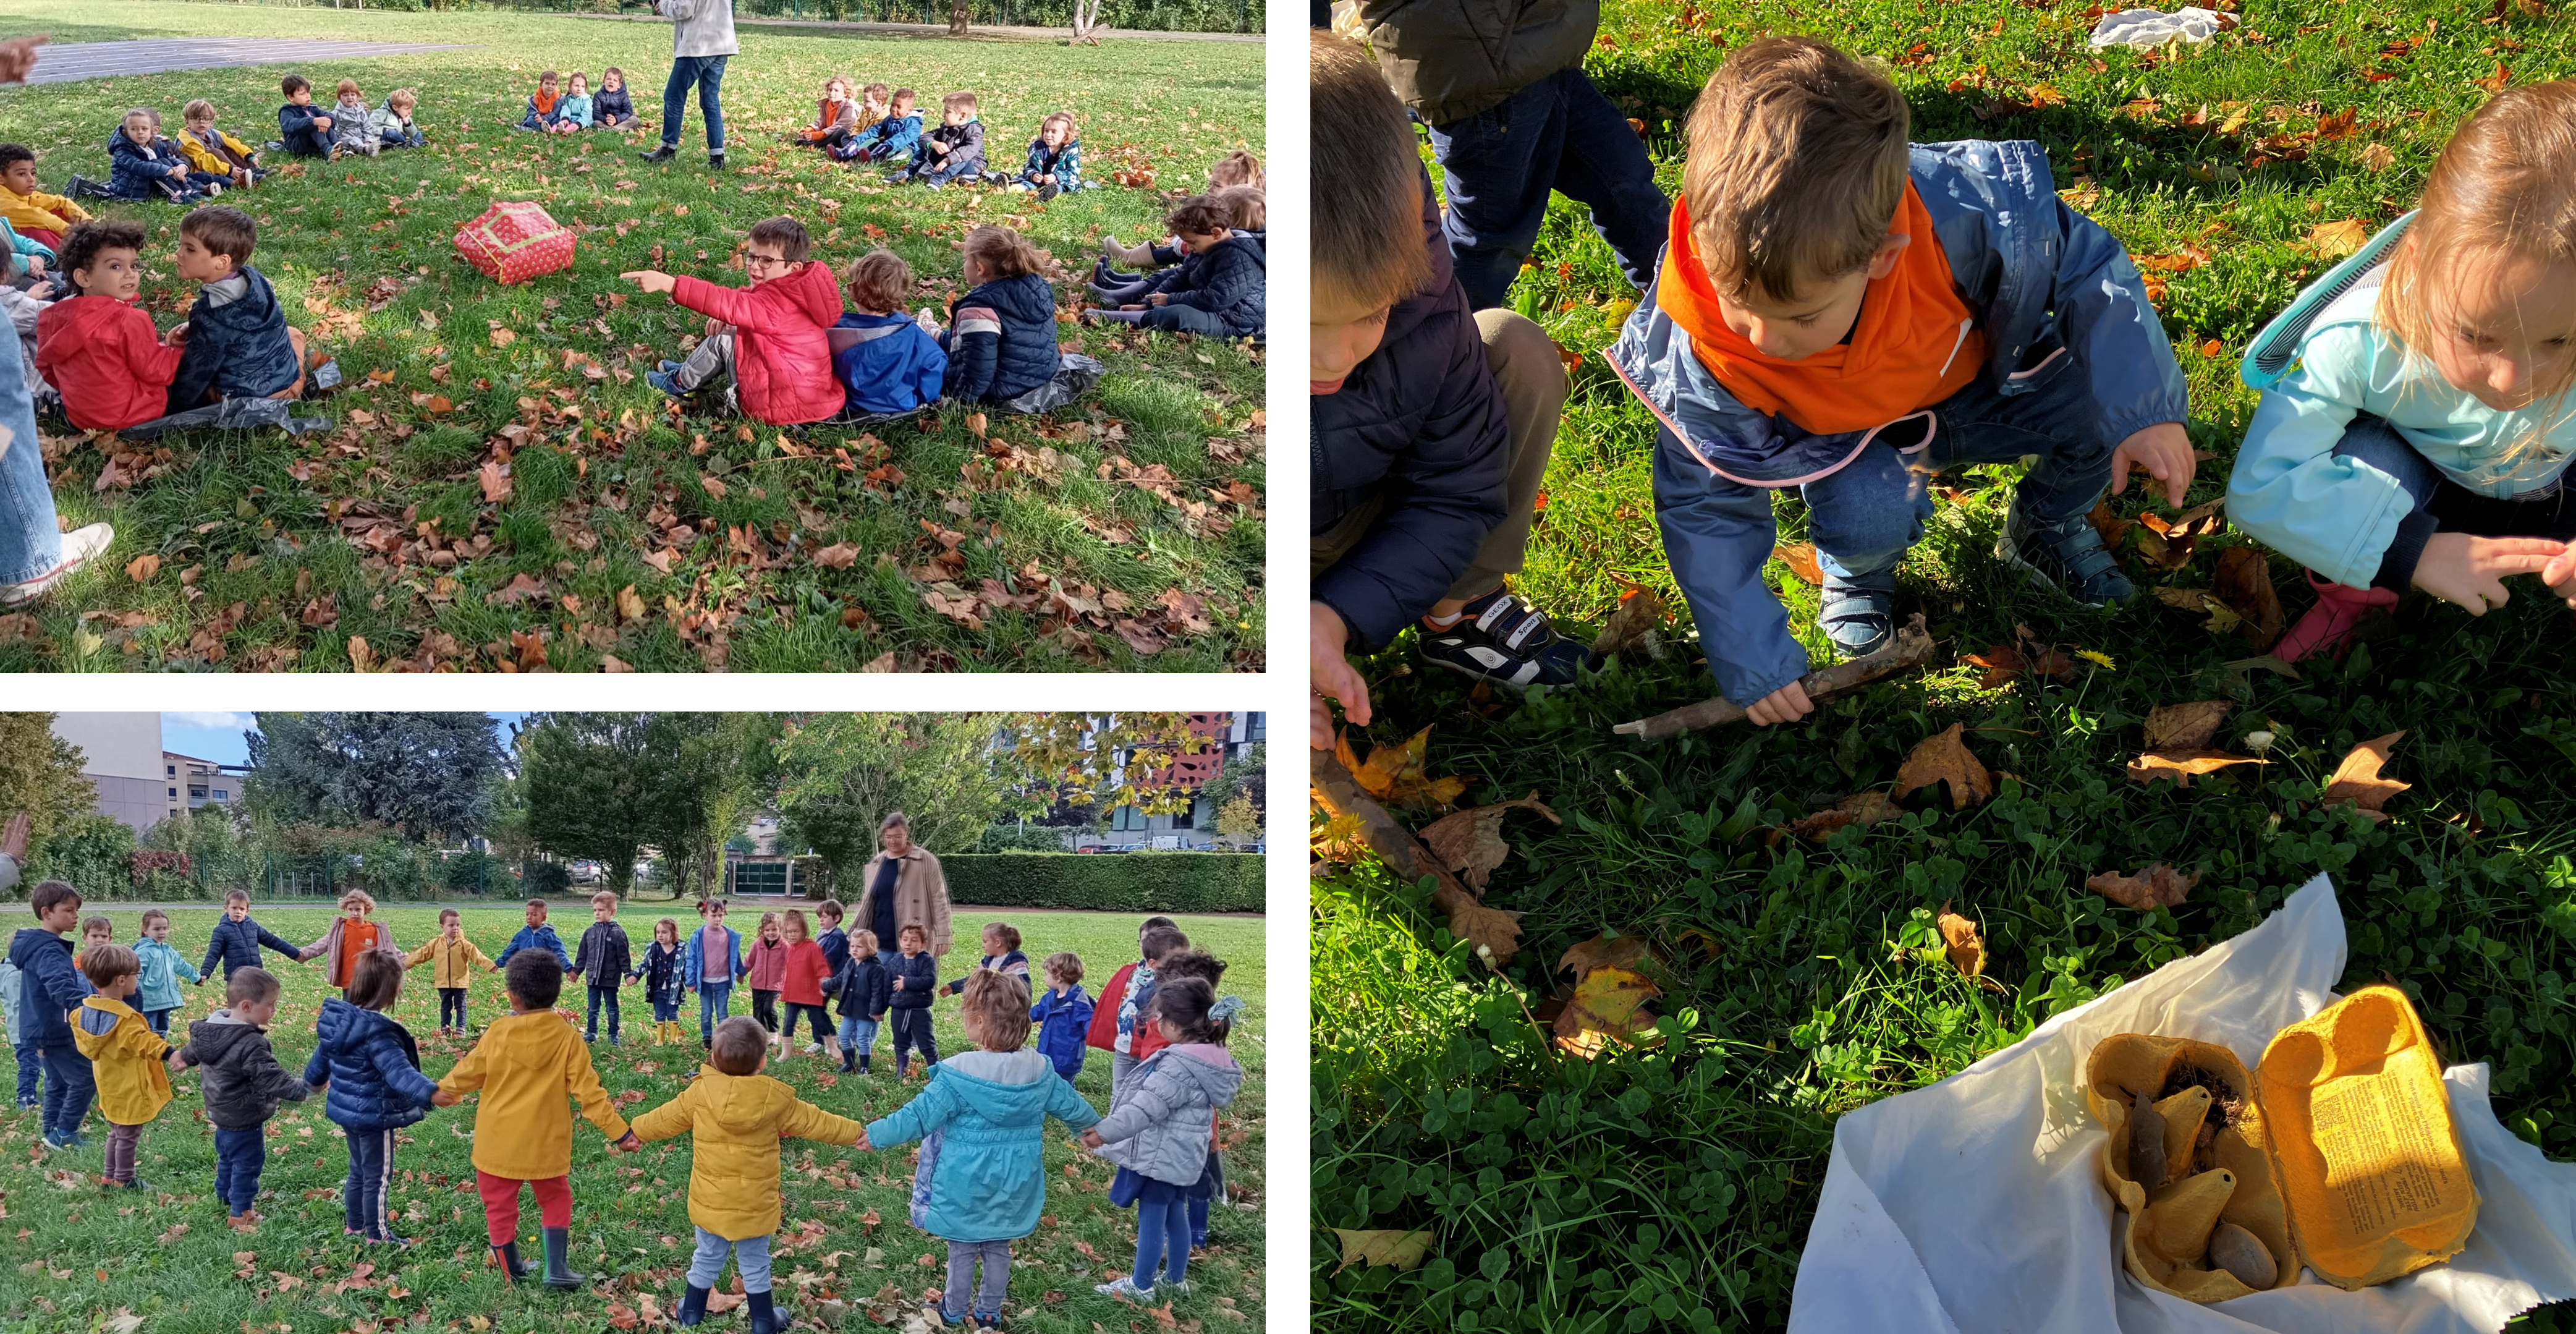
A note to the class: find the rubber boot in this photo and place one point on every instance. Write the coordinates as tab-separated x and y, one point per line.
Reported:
2329	625
512	1267
558	1274
693	1307
764	1316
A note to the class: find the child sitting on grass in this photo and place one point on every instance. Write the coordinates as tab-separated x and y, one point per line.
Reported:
98	349
1237	169
1055	159
894	136
371	1067
573	113
951	151
1001	337
1062	1014
242	1083
452	959
526	1066
544	105
610	106
873	109
768	337
349	116
125	1057
1246	210
836	115
888	363
864	987
49	990
735	1118
1161	1120
916	977
38	216
980	1182
1001	942
156	992
303	127
1221	289
213	152
392	123
140	169
237	343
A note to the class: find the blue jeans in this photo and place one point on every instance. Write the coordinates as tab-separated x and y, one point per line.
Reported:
241	1154
599	994
160	1022
1162	1241
1185	319
2442	505
451	1000
750	1254
69	1085
858	1037
30	540
927	175
962	1255
371	1170
1558	133
666	1009
31	1071
707	72
714	1000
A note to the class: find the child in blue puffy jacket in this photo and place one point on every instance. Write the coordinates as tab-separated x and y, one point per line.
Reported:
889	140
1063	1014
887	361
1001	337
371	1068
139	167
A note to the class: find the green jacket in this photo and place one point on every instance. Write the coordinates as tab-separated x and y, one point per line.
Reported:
1449	59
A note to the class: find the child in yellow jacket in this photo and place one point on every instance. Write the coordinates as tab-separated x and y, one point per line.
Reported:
125	1056
25	205
453	959
735	1116
526	1065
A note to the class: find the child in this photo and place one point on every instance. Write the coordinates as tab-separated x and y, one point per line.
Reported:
1209	969
1237	170
138	168
31	1065
572	114
98	349
371	1068
542	104
452	959
916	976
1001	955
894	136
157	991
889	363
1137	1036
536	935
735	1118
1055	159
980	1182
526	1065
349	131
214	152
710	966
1161	1120
767	969
836	116
125	1056
865	986
96	931
1219	292
238	940
351	938
236	342
1239	167
804	974
834	941
660	969
242	1084
304	128
48	991
1062	1014
2413	430
1103	1032
392	124
772	345
604	959
1001	340
610	106
951	151
46	219
873	109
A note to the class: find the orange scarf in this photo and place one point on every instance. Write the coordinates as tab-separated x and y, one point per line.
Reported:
546	102
1906	353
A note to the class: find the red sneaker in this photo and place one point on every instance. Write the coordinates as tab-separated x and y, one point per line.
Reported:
2329	625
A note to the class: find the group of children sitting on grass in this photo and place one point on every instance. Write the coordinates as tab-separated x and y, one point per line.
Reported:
146	165
573	107
878	125
94	1024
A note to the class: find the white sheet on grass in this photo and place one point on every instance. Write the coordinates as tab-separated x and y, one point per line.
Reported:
2146	29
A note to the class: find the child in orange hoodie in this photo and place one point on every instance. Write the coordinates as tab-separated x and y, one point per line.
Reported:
99	350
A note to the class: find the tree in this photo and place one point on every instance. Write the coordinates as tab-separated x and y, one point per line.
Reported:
1246	775
1238	822
591	790
1086	21
1104	760
839	774
429	775
40	773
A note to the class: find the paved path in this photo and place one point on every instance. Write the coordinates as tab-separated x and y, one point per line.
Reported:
1059	34
67	62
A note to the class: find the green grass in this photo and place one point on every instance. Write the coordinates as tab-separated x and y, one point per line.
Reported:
81	1254
259	569
1673	1188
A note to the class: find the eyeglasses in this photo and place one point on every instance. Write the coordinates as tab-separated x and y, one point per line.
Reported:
764	261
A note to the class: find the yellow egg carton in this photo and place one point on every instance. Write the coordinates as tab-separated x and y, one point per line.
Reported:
2338	1153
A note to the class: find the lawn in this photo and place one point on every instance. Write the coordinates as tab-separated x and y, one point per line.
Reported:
82	1256
1122	533
1673	1188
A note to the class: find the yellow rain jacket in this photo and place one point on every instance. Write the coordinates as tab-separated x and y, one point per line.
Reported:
125	1057
735	1123
37	209
455	963
526	1066
206	159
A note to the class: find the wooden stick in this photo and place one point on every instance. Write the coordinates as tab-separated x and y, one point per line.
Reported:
1912	647
1404	854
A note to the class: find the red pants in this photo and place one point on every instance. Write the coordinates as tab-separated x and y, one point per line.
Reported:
51	240
501	1203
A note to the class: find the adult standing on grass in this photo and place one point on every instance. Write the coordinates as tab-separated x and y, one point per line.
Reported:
35	553
701	38
903	886
1513	116
13	849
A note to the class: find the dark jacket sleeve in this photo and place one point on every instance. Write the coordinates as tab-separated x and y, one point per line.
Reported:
199	362
214	950
972	360
270	1078
317	1071
973	147
2115	330
1228	276
402	1078
278	943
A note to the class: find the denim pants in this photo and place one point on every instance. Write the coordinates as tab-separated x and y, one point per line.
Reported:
30	540
714	1000
954	169
1185	319
69	1086
598	995
2545	511
707	72
750	1255
962	1256
241	1154
160	1021
31	1072
1162	1241
666	1009
451	1000
1559	133
371	1170
858	1036
306	141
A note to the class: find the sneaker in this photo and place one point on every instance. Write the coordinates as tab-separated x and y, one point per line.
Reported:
214	190
662	380
29	1104
948	1317
715	161
1124	1289
666	365
1167	1291
1049	191
1860	621
1506	641
813	1049
2066	555
988	1320
663	153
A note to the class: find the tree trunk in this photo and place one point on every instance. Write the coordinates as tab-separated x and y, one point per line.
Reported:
621	875
958	12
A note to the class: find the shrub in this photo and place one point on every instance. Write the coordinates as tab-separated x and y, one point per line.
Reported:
93	852
479	873
547	880
1144	882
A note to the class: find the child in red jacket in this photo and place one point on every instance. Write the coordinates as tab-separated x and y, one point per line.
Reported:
99	350
768	337
1103	1032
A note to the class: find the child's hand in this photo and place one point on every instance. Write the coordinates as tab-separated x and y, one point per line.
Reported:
177	1066
1091	1139
1159	299
626	1144
322	122
2561	575
2470	571
1333	676
1787	704
178	337
2164	450
443	1098
651	280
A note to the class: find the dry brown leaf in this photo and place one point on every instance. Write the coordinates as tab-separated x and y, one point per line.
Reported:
2189	726
1389	1247
2111	526
1471	841
1800	557
2158	886
2003	666
1862	808
2244	583
1605	1008
2169	542
714	485
1602	951
838	556
2334	240
1964	943
495	477
2378	157
1632	627
1395	773
2357	779
2180	765
360	658
143	567
1945	758
2201	602
630	604
1496	934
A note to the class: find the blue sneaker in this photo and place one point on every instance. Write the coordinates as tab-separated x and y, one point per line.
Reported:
1858	619
2066	555
662	380
1506	641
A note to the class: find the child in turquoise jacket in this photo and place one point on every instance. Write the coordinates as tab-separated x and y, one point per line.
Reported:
2414	431
157	995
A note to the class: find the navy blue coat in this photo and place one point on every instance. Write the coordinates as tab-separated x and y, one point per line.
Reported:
864	986
238	349
133	176
1229	280
920	974
605	103
1421	423
373	1067
1001	340
292	118
48	987
964	144
237	943
834	941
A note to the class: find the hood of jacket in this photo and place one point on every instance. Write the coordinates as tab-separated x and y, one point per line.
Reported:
742	1104
220	1037
1027	299
26	947
1009	1103
814	291
1209	1066
253	312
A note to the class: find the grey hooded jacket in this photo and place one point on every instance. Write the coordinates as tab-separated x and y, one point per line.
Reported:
1163	1116
700	27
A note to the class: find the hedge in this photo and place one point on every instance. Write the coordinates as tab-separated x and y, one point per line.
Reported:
1143	882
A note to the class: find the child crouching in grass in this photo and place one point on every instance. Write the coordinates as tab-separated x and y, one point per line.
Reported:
1161	1121
767	337
886	362
125	1056
242	1084
371	1067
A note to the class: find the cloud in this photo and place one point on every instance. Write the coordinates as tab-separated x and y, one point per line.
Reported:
216	721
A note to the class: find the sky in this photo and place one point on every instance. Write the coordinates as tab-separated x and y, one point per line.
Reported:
218	736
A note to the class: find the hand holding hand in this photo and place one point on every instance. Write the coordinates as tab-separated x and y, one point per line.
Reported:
321	122
651	280
1787	704
862	1142
1091	1139
177	1066
442	1098
2164	451
626	1144
2470	571
1328	639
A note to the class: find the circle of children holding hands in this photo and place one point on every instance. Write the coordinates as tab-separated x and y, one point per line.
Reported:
1844	312
94	1026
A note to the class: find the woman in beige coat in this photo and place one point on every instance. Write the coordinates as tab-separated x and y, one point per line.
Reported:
900	886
